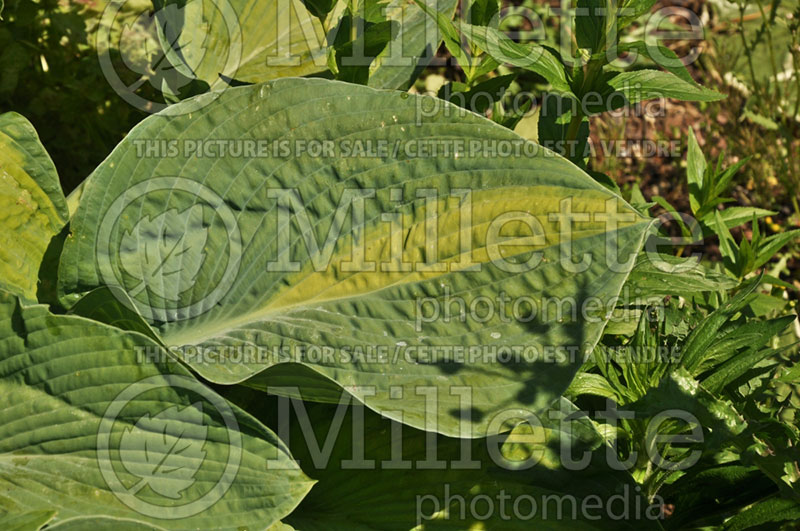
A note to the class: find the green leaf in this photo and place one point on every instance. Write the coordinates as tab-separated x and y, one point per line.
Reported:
166	251
554	120
770	511
451	36
63	416
792	376
320	8
29	520
706	332
661	55
760	120
529	56
586	383
631	10
680	391
362	50
641	85
171	457
695	172
766	304
735	336
32	206
112	306
731	254
528	125
74	198
741	363
772	245
408	480
373	322
413	46
672	276
707	496
663	203
103	523
723	178
243	40
486	65
481	12
734	216
481	96
609	182
202	48
590	25
280	526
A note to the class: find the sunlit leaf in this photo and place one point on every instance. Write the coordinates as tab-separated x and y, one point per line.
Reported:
318	294
32	206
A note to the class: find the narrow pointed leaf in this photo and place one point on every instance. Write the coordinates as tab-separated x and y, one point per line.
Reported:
695	172
641	85
734	216
530	56
773	244
671	275
706	332
662	56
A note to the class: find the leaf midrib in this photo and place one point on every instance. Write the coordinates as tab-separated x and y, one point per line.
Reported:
263	314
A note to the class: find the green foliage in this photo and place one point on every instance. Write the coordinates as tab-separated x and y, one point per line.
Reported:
590	83
156	259
157	265
759	56
56	461
49	72
162	252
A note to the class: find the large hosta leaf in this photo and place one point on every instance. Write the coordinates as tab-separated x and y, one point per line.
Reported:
361	329
246	40
414	477
91	427
32	205
256	42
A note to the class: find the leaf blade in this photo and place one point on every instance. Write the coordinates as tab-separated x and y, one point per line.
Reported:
300	311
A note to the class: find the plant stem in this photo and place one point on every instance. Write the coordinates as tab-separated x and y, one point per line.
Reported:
746	47
592	68
574	125
768	28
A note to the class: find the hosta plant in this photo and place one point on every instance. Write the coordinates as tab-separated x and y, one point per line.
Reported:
292	274
314	304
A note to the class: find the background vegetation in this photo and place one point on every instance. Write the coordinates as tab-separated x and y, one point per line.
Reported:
739	160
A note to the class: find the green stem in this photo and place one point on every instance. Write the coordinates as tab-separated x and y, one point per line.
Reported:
796	65
746	47
574	125
773	63
591	70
